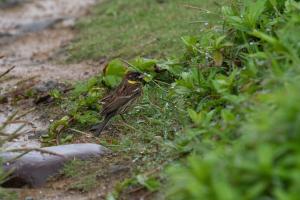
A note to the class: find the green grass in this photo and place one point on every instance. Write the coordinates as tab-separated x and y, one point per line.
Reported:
223	117
150	28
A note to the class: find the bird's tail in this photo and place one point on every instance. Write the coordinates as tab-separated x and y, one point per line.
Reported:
100	127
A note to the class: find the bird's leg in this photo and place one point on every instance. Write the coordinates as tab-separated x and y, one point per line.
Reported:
123	118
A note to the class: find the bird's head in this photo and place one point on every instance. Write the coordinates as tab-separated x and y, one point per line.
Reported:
134	77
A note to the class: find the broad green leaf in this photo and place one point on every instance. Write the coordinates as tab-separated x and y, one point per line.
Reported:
115	68
112	80
195	117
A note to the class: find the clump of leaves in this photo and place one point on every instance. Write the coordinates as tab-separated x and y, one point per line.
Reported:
81	107
141	180
114	73
257	104
55	130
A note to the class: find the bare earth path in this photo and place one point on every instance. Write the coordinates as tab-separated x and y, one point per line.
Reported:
33	32
32	35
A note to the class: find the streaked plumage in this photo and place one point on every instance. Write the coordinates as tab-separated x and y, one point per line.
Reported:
121	99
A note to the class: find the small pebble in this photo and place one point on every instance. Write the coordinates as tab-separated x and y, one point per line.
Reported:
158	138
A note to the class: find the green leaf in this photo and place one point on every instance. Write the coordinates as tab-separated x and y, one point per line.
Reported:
227	115
171	66
221	84
112	80
115	68
114	73
66	139
254	11
190	43
55	94
87	118
219	40
271	40
84	87
150	183
195	117
145	65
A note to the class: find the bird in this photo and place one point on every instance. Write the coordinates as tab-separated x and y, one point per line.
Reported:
120	100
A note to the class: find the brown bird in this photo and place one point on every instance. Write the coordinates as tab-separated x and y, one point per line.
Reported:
121	99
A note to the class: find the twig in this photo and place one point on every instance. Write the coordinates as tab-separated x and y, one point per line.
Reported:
10	137
43	151
78	131
145	196
28	150
15	134
195	7
23	81
131	127
165	83
20	122
4	134
7	71
81	132
14	118
199	21
11	117
134	190
201	9
5	177
154	81
129	64
25	113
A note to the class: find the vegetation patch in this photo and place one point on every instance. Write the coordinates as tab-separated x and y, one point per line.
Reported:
221	121
150	28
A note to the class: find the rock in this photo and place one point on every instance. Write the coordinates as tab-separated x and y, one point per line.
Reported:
68	22
9	3
5	34
38	25
48	86
43	90
38	134
34	168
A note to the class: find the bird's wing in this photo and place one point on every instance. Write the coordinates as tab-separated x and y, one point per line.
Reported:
119	101
106	98
112	94
116	104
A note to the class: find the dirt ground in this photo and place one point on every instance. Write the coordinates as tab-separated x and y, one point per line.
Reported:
32	36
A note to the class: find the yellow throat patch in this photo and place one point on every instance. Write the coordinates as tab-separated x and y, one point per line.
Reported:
132	82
